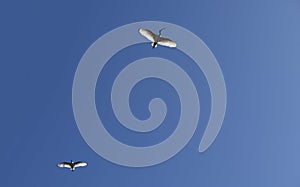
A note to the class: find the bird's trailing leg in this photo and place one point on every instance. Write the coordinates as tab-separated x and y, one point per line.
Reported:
154	44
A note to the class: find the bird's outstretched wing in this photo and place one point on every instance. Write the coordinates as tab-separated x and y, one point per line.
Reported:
80	164
166	42
147	34
64	165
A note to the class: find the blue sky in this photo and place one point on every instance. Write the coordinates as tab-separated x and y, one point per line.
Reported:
257	46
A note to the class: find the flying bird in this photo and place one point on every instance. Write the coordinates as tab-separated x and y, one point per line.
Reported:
72	165
157	39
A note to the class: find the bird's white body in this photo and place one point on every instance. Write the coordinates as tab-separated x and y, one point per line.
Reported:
156	38
72	165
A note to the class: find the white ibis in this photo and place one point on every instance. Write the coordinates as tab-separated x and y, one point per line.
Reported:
157	39
72	165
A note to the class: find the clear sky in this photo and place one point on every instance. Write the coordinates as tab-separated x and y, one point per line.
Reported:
256	43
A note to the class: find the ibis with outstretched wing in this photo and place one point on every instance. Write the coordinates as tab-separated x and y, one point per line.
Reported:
156	38
72	165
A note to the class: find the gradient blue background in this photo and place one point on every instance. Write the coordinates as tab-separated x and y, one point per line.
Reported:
256	43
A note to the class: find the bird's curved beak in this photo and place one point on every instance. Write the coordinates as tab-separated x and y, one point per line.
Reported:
160	31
